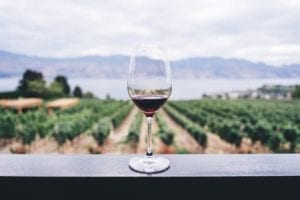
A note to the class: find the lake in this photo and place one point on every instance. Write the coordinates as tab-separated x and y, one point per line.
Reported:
182	88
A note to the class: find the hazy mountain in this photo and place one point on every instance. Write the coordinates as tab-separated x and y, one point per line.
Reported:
116	66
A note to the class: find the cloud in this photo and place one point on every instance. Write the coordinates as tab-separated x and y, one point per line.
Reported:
266	31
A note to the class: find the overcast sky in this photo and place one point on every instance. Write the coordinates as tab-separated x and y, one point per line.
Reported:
258	30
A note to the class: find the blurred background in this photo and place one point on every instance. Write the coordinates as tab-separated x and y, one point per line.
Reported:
235	67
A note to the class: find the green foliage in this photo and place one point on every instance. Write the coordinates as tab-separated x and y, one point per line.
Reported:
275	141
11	95
62	132
262	132
33	84
230	132
296	92
273	123
87	116
30	79
56	88
101	130
292	134
118	118
182	151
135	129
62	80
7	126
260	120
36	86
196	131
27	132
88	95
63	124
77	92
164	132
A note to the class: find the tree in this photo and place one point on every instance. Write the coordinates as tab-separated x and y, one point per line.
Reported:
88	95
55	89
296	92
77	92
32	84
36	86
108	97
64	83
28	76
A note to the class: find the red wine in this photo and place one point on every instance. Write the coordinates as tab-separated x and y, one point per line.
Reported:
149	104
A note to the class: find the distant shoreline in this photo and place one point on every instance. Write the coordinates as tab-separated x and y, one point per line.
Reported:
182	88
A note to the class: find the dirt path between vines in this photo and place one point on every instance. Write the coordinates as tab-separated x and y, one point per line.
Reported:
183	140
215	144
115	142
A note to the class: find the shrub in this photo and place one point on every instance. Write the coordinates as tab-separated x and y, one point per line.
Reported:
7	129
274	141
118	118
291	134
165	134
27	132
63	131
230	132
195	130
262	131
135	129
101	130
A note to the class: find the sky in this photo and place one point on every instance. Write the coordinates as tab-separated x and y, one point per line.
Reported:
258	30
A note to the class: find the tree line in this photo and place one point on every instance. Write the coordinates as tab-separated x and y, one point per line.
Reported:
33	84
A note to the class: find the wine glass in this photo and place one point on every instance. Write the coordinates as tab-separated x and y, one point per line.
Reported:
149	86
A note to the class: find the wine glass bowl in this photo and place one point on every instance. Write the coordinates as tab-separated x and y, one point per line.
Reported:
149	86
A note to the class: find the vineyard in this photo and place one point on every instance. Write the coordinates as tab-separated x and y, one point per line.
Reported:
275	124
195	126
91	117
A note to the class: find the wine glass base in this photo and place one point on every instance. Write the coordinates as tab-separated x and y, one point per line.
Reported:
149	164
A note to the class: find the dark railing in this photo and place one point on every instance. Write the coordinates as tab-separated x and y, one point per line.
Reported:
195	165
205	175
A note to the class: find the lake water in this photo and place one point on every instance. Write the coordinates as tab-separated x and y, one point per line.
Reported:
182	88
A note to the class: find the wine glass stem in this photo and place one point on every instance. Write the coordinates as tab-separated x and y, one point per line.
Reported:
149	137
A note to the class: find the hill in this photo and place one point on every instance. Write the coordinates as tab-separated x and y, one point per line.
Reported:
116	66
